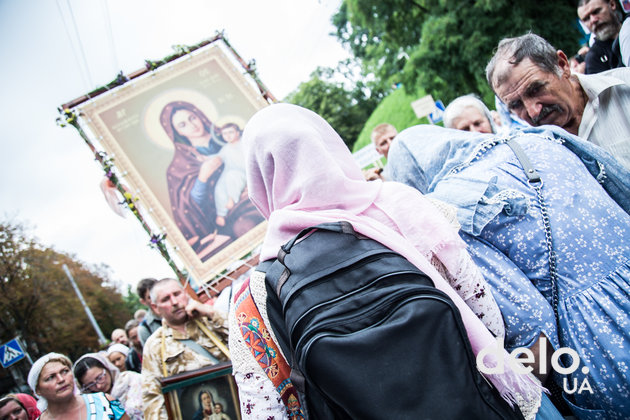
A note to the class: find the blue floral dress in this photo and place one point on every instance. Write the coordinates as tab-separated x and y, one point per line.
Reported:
591	239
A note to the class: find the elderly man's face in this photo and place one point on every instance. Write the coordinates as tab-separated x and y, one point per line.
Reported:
537	96
384	141
599	17
120	336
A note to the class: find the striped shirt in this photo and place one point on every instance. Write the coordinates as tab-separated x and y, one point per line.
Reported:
606	117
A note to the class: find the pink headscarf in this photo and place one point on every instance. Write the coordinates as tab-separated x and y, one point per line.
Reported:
300	174
30	405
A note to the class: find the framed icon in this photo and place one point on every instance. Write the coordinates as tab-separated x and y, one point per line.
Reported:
174	138
202	393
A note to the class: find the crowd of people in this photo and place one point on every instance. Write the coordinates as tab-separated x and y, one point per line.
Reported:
541	201
520	217
175	334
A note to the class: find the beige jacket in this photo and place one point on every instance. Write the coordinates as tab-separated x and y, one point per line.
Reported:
178	358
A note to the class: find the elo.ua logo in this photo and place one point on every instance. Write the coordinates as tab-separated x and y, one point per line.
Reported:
515	363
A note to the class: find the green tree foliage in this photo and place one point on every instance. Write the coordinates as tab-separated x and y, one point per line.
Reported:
345	109
380	34
443	46
38	302
132	300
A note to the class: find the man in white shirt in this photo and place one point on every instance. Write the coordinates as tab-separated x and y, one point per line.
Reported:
535	81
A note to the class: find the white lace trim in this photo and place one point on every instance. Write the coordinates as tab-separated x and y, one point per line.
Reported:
529	406
242	359
505	195
468	282
448	211
259	398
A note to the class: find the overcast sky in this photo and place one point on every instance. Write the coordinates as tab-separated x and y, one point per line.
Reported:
48	176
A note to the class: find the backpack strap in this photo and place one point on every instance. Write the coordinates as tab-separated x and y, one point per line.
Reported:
339	227
265	350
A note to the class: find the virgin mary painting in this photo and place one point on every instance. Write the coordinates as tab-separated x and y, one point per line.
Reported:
191	177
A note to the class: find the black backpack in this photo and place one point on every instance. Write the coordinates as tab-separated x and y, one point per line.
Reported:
368	336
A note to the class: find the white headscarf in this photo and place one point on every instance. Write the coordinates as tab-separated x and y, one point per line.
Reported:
36	370
120	348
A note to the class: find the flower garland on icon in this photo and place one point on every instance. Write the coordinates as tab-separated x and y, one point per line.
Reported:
157	240
69	117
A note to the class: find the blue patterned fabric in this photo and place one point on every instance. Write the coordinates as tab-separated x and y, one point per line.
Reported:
98	407
500	212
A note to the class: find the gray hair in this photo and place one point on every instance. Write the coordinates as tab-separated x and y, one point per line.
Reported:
458	105
157	284
515	50
131	324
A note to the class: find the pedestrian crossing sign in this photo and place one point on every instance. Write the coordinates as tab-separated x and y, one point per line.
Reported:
438	114
10	353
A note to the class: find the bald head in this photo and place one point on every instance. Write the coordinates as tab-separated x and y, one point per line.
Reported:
120	336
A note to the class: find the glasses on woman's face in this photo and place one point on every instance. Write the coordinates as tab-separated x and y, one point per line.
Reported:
99	380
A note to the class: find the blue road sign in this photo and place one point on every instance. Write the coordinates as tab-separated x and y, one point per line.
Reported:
436	116
10	353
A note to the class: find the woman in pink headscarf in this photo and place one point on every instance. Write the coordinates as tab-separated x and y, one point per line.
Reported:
18	407
300	174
